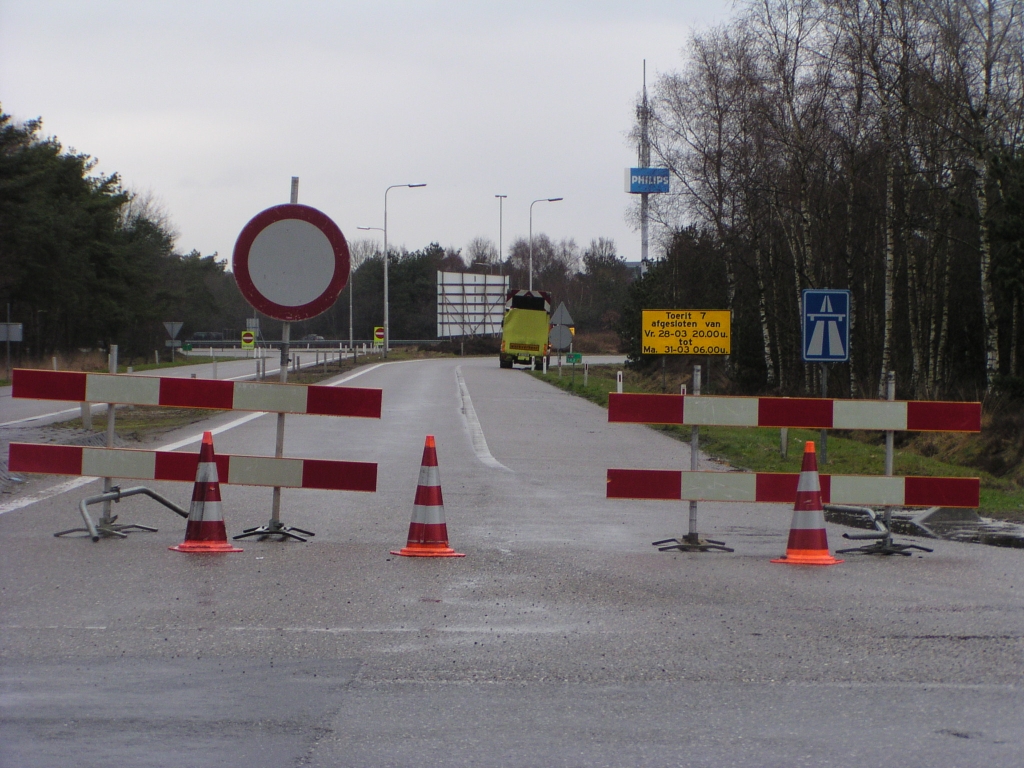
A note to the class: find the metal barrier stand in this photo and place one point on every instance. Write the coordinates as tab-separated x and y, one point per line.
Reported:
692	542
274	526
107	526
884	545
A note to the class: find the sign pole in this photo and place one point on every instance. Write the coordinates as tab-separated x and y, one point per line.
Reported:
692	542
692	537
291	262
890	395
824	432
7	336
275	512
275	525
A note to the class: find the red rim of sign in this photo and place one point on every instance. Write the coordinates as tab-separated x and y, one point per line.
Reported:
240	262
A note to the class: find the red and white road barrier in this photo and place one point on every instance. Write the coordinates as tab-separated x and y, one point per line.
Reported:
196	393
321	474
860	490
809	413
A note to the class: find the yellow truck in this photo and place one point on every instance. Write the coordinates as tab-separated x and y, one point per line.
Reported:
525	329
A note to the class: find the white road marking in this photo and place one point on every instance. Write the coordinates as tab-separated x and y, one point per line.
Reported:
46	416
476	432
48	493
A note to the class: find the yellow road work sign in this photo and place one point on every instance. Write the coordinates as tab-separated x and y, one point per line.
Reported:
686	332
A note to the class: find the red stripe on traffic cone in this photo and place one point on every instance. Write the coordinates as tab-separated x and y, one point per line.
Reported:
428	533
205	531
808	543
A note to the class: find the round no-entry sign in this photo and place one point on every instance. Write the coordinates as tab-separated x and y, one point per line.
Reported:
291	262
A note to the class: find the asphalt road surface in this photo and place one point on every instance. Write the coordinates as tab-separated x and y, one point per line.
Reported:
563	638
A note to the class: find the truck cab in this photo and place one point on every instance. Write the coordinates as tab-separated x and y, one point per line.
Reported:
525	328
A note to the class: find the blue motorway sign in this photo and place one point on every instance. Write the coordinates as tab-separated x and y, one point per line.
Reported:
826	326
639	180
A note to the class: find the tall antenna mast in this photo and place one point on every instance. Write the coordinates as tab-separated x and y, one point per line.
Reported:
643	113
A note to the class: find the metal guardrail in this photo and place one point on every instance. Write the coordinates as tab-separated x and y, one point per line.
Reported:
331	344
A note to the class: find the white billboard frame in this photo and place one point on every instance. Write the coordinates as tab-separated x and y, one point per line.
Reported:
470	304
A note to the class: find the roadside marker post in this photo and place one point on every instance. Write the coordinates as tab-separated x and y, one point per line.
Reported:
809	413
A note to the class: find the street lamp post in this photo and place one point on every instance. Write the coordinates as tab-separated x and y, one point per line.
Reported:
351	339
387	326
501	255
539	200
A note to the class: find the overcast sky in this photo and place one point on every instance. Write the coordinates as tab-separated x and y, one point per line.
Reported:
212	106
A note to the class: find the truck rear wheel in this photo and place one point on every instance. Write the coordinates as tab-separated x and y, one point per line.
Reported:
504	362
538	363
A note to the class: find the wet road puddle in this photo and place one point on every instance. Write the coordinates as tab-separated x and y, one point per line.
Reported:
963	525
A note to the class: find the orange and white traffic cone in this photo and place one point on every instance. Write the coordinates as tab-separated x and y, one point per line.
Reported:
428	533
205	529
808	542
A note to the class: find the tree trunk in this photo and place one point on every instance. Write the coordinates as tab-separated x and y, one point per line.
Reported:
890	263
987	293
848	249
1015	333
915	305
940	352
762	308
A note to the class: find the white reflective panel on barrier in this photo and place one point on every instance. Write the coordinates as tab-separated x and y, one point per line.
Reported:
866	490
270	397
719	486
722	411
101	462
869	414
258	470
107	388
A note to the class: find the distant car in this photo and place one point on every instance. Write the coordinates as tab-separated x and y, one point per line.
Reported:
312	337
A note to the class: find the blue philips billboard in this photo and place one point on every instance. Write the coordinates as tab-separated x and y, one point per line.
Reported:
640	180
